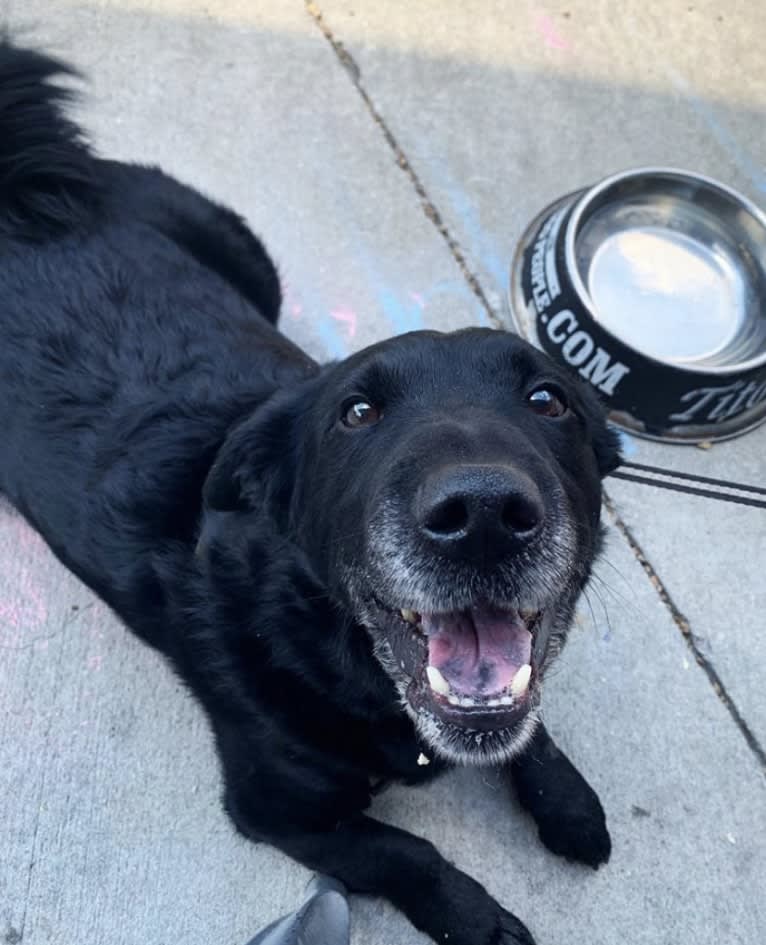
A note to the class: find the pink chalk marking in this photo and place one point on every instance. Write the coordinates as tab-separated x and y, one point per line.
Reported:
27	610
348	317
547	29
291	302
418	299
24	536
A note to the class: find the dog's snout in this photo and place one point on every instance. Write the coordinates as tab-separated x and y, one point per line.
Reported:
493	510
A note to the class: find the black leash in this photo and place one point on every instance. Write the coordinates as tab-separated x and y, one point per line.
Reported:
715	493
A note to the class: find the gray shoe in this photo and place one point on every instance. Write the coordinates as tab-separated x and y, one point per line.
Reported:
323	919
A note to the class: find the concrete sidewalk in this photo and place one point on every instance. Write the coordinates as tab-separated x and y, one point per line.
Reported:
391	154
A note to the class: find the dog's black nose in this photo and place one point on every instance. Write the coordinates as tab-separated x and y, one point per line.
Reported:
489	511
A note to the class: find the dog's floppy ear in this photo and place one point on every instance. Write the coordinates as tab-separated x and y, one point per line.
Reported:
606	445
604	437
257	465
243	466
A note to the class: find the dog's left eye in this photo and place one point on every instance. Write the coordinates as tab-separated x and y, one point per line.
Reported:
548	402
360	413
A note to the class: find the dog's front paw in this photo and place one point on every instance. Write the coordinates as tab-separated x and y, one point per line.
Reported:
569	816
576	830
463	913
510	931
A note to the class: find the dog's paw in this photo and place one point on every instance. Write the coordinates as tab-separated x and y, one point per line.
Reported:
511	931
569	816
465	914
576	831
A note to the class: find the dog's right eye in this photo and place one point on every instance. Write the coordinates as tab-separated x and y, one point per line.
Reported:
360	413
548	401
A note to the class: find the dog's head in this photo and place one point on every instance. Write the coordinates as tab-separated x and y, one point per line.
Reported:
447	490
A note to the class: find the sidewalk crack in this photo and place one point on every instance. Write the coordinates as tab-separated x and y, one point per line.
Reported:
684	625
429	208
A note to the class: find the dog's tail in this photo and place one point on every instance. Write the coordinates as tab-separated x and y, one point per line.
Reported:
48	177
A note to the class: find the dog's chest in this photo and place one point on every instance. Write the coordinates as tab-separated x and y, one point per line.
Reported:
396	753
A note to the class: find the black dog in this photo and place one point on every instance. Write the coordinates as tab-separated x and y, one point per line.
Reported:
361	570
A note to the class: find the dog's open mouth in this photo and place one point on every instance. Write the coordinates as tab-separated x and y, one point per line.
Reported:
474	668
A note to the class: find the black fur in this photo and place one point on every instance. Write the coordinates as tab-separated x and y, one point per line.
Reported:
188	462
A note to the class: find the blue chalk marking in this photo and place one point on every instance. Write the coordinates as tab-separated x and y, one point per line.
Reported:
404	316
481	243
403	313
457	291
330	337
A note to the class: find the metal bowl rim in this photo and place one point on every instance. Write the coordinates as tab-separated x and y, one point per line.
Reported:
573	224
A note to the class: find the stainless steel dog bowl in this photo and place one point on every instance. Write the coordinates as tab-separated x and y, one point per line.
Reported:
652	285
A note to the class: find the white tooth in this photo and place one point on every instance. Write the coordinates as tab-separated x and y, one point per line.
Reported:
452	698
506	700
467	701
436	681
409	615
520	682
422	760
493	702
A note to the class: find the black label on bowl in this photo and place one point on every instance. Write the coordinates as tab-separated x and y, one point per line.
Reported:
657	398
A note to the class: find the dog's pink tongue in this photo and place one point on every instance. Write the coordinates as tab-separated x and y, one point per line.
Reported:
478	651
